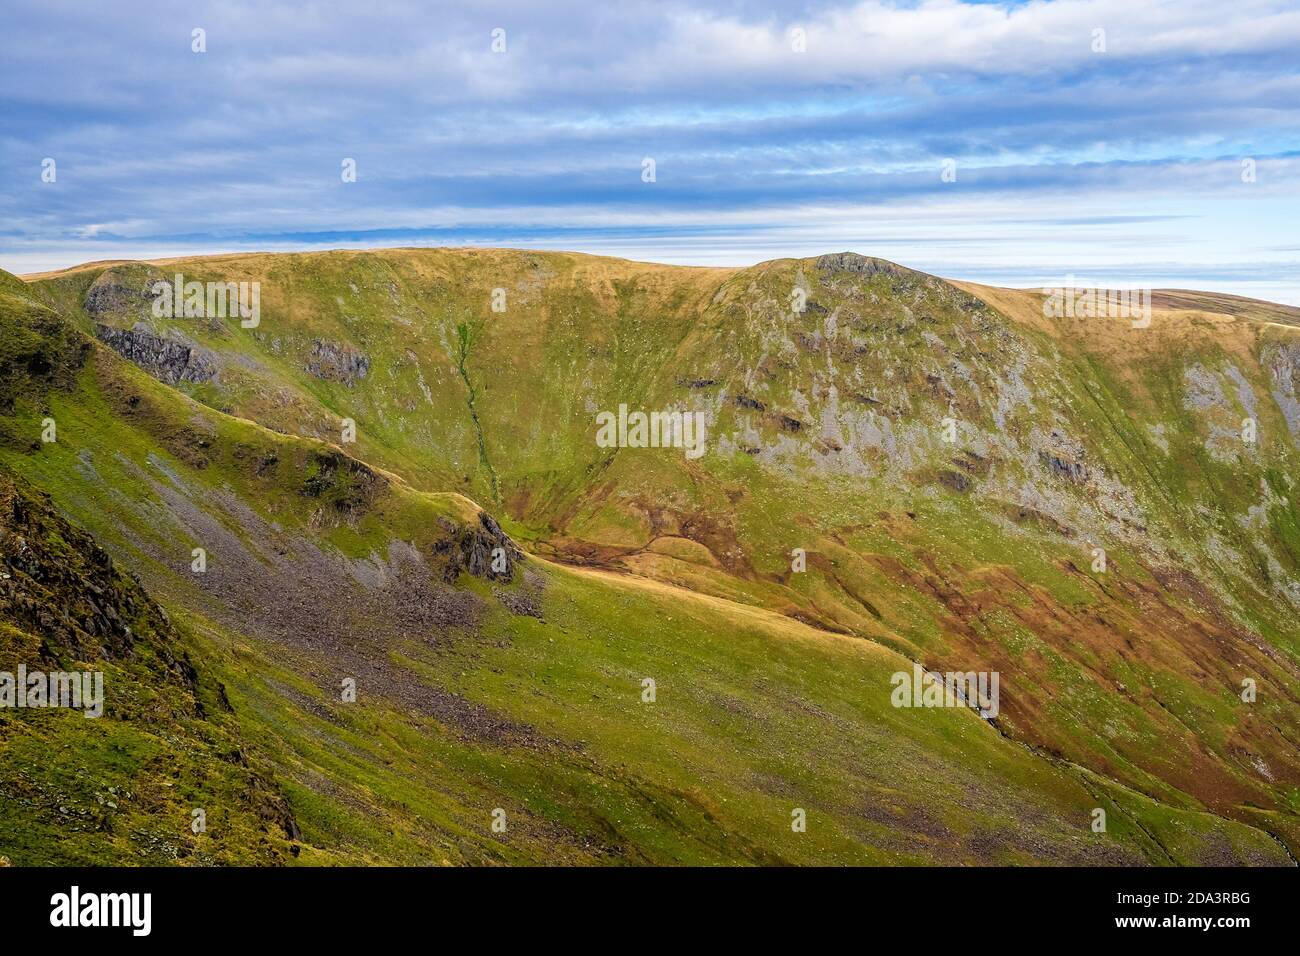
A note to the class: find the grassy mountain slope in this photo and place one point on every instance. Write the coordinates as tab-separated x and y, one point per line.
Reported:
121	787
826	435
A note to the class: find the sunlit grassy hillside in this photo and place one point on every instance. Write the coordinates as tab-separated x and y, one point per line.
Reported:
946	459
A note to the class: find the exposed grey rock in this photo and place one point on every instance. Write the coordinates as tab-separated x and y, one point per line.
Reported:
122	291
1064	467
525	600
867	265
165	359
1063	457
335	362
110	298
1202	389
1283	364
1245	393
1204	394
469	548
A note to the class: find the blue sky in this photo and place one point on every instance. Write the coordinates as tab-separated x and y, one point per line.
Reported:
1122	165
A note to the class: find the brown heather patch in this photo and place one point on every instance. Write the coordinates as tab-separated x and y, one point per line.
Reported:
1139	624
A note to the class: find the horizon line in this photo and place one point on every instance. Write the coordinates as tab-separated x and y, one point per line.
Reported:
40	275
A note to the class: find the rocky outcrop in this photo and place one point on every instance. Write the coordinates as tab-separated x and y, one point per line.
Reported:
866	265
845	269
110	298
168	360
1063	467
58	584
1283	364
66	605
348	486
485	551
121	291
1064	457
335	362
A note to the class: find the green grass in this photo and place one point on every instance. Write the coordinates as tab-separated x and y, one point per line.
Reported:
755	713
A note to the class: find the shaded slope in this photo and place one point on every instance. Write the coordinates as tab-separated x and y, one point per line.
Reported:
122	787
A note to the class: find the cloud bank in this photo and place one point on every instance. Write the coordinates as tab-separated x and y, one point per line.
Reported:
1121	140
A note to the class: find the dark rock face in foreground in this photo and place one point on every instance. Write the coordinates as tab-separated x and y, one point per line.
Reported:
66	606
59	585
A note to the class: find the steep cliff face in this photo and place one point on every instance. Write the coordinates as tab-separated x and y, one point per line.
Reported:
1282	359
167	360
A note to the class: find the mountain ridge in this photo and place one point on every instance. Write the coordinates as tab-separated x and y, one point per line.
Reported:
967	554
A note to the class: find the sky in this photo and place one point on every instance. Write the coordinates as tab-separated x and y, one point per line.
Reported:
1120	142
